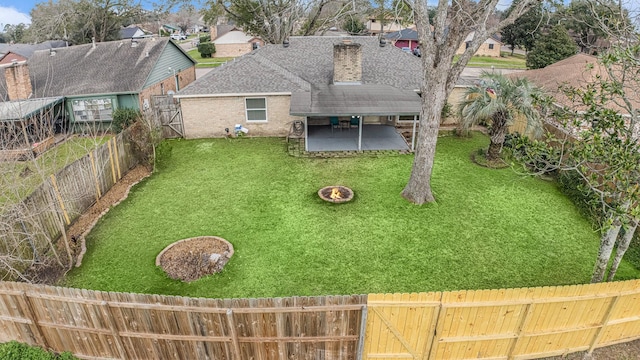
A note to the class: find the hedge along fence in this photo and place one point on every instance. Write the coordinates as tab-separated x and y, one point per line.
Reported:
28	228
485	324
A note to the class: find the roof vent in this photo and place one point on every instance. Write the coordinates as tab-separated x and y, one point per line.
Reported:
383	42
134	43
93	42
52	52
146	54
346	41
285	43
14	61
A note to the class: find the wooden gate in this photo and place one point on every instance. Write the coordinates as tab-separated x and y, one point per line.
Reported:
169	115
401	326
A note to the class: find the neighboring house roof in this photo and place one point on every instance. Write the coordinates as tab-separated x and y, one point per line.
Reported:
27	50
404	34
575	71
21	109
233	37
490	40
109	67
223	29
11	57
131	32
307	62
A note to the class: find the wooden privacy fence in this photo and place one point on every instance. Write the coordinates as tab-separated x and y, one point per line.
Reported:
40	218
94	324
484	324
502	324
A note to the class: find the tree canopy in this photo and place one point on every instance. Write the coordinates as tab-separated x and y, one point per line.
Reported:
551	48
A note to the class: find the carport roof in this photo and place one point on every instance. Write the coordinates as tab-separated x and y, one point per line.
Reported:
22	109
347	100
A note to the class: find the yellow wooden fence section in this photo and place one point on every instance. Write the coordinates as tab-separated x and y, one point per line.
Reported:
502	324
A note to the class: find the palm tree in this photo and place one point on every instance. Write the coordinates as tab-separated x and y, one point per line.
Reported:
498	100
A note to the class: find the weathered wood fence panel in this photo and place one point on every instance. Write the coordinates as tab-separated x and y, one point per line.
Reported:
502	324
32	224
94	324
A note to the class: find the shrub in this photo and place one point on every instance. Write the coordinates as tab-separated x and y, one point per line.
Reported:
14	350
204	39
122	118
207	49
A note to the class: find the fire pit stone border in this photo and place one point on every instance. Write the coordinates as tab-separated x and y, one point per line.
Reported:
323	194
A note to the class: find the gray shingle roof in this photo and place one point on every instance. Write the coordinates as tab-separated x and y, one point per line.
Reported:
27	50
345	100
404	34
109	67
307	63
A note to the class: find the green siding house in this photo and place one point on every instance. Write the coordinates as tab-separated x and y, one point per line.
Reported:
96	79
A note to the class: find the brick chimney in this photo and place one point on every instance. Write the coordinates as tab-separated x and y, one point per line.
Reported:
18	81
347	62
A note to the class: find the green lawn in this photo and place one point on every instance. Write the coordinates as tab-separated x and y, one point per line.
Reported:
19	179
506	61
488	229
206	62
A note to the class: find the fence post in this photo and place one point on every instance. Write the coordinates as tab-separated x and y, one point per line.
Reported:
604	322
95	176
234	335
106	312
113	170
363	333
115	151
34	319
280	330
57	192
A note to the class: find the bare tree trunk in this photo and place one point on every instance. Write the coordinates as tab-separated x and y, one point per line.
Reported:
623	245
418	189
607	242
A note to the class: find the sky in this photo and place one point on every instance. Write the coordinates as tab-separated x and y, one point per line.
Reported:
15	11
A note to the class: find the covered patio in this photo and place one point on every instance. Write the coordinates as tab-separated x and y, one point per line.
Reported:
374	137
350	113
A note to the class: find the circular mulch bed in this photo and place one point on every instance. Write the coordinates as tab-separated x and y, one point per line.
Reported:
191	259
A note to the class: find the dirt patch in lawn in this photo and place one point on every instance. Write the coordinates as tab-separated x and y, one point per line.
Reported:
191	259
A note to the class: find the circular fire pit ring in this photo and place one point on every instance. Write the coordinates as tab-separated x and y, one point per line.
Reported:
336	194
193	258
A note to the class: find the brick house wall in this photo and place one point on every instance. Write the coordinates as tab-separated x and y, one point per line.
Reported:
185	77
207	117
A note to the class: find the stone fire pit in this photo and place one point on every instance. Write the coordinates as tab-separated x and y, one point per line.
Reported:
336	194
193	258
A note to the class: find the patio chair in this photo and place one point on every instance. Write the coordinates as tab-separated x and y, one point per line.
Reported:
354	123
335	123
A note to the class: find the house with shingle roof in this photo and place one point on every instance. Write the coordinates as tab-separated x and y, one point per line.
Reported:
10	53
98	78
329	88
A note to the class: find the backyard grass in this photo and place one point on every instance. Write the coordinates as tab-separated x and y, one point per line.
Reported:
488	228
19	179
506	61
207	62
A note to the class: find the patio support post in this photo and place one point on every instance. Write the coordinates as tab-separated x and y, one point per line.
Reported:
360	120
306	134
413	134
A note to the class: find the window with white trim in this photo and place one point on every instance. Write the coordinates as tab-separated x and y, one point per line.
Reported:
92	110
256	109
